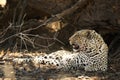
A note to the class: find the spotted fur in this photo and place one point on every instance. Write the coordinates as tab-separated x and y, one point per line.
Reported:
93	46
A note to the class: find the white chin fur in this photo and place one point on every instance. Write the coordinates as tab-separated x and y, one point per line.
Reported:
75	50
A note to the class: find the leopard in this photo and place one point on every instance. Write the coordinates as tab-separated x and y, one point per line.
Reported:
90	43
90	53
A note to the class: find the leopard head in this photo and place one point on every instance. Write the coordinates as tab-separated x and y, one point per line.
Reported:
87	41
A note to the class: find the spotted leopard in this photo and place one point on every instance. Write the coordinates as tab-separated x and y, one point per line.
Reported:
91	44
89	53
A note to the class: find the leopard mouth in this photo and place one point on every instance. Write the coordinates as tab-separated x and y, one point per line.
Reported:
75	47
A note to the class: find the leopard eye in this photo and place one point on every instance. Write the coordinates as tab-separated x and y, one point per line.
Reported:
73	44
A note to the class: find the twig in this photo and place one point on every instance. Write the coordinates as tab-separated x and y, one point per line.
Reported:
55	38
8	38
4	32
22	40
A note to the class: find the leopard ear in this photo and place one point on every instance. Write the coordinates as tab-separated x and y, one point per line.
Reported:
89	35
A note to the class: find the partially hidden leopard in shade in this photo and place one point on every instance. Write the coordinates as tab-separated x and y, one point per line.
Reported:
90	53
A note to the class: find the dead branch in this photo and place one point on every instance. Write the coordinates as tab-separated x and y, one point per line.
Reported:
79	4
